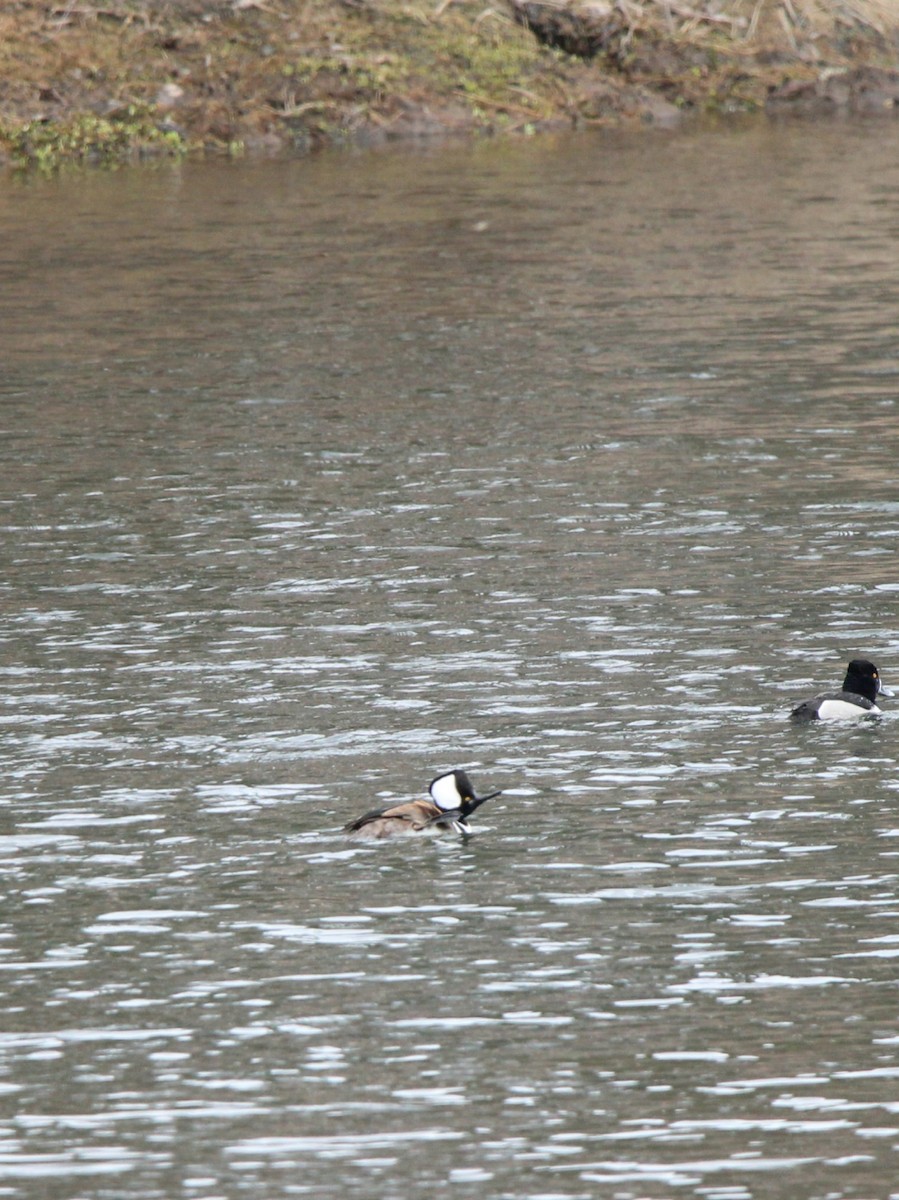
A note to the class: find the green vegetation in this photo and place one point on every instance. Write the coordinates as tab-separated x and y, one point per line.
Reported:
86	138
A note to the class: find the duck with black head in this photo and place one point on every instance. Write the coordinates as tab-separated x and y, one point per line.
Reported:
855	700
452	801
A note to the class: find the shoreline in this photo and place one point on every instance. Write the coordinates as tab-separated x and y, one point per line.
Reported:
122	80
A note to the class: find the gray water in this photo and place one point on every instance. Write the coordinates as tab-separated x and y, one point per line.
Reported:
571	462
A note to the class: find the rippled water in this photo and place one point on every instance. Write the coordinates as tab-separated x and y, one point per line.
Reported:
570	462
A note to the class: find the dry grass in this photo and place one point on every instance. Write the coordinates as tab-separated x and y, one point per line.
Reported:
91	79
757	23
249	72
747	19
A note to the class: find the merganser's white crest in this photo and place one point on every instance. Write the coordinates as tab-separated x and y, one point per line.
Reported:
445	792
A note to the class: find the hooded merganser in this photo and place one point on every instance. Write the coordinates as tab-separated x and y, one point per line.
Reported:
452	802
856	699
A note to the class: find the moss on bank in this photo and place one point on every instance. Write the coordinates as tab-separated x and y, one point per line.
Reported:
108	80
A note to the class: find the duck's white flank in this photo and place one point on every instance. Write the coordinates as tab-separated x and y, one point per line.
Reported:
839	710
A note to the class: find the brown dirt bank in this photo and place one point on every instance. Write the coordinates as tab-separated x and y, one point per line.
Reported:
105	80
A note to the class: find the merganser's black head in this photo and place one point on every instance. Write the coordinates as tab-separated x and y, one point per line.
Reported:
453	793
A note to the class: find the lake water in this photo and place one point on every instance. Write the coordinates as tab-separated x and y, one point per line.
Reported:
570	461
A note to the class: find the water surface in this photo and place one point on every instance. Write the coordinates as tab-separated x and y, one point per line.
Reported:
571	462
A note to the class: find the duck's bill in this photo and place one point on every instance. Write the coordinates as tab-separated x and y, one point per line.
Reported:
883	690
478	801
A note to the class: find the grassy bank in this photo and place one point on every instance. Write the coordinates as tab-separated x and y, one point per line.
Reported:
108	80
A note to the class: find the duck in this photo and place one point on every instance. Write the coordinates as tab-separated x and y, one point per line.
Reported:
452	801
855	700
